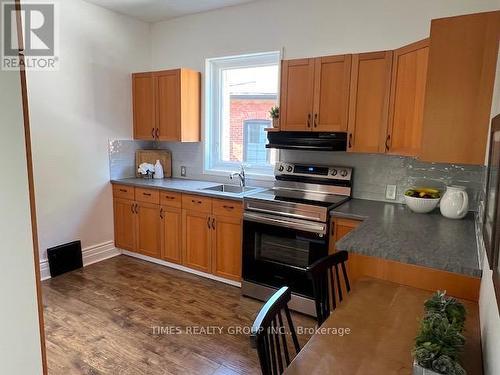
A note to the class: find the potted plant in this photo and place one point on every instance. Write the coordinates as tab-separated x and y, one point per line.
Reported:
440	340
275	116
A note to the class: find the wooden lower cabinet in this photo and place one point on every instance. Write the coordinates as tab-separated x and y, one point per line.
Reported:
124	216
226	247
198	232
171	234
197	235
148	229
339	228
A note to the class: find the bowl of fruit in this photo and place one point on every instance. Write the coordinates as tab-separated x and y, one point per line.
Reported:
422	200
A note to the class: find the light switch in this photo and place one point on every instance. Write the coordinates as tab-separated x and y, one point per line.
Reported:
390	192
183	171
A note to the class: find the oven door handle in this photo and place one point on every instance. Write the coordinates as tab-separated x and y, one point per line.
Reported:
298	216
293	224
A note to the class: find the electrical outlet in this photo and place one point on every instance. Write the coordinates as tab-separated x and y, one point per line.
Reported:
390	192
183	171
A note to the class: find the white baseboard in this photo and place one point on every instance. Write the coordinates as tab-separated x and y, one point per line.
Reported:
180	268
90	255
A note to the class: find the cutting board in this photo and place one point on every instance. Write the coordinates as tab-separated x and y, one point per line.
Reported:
151	156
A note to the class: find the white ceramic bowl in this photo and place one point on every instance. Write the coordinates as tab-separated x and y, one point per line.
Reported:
421	205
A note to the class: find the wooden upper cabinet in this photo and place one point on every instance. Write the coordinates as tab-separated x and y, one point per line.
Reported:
369	101
460	79
148	229
406	106
167	105
144	105
297	91
331	93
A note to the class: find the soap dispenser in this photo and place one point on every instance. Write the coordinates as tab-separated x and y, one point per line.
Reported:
158	170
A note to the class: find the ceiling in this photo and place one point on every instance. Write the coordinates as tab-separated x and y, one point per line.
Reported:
160	10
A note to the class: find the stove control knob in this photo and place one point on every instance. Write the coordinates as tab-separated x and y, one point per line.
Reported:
343	172
289	168
281	168
334	172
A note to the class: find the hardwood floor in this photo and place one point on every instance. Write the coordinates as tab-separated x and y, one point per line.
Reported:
104	319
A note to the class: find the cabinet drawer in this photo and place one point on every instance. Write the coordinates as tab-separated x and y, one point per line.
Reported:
147	195
196	203
225	207
171	199
123	192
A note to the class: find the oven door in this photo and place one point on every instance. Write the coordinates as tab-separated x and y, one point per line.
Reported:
277	250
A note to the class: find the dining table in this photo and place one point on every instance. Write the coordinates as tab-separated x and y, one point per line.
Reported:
373	330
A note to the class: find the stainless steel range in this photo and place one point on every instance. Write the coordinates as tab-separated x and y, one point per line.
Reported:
286	229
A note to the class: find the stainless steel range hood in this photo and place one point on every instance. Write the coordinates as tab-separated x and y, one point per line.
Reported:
314	141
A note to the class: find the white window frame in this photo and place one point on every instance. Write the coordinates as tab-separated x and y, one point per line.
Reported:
212	163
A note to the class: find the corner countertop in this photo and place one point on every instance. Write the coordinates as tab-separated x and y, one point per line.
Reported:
185	186
392	231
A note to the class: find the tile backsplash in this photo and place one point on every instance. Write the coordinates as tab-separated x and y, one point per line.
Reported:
372	172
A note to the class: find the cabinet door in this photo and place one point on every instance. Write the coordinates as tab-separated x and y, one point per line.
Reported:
406	106
369	101
297	86
226	247
148	229
462	63
124	218
143	93
339	228
197	234
331	93
169	105
171	234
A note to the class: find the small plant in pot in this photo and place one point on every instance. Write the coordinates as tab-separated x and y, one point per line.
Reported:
440	340
274	113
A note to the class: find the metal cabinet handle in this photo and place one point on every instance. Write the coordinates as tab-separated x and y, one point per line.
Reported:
213	223
308	120
157	133
315	120
136	208
153	133
161	213
228	207
387	144
208	222
195	201
350	140
132	208
169	197
123	190
147	194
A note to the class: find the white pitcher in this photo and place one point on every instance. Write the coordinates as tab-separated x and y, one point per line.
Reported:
455	202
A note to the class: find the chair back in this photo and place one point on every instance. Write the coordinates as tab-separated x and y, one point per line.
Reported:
269	334
327	284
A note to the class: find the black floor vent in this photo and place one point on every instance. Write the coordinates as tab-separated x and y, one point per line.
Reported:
65	258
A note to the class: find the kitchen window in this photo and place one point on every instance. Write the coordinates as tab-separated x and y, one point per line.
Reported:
240	91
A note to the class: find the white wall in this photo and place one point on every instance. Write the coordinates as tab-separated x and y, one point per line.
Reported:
74	112
304	28
19	330
488	308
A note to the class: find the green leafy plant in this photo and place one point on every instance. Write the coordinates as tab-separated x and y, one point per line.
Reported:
274	112
440	340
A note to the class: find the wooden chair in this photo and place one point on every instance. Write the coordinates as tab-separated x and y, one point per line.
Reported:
326	286
268	330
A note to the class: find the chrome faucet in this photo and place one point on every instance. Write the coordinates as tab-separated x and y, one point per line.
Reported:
240	174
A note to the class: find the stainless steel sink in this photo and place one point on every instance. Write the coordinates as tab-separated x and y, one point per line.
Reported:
230	189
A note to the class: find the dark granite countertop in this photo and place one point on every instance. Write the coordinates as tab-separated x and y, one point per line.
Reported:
185	186
392	231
